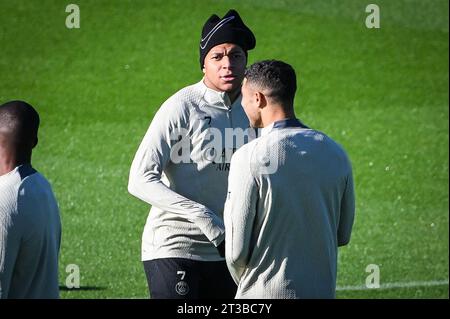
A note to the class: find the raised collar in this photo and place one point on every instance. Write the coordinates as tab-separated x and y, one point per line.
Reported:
286	123
24	170
292	122
218	99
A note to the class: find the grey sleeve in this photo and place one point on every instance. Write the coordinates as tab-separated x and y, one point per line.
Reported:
154	153
239	214
347	212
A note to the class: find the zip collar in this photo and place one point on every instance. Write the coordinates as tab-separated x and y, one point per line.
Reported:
218	99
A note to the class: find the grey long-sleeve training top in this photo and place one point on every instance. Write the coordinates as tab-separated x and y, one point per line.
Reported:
30	235
290	205
181	169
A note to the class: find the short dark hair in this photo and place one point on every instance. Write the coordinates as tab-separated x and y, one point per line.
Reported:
20	121
275	76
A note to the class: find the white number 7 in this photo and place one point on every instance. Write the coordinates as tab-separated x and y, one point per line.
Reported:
182	273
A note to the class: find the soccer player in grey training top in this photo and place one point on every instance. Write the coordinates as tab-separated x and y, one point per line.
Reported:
290	196
181	169
30	227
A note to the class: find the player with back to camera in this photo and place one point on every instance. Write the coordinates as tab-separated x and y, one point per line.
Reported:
290	196
30	226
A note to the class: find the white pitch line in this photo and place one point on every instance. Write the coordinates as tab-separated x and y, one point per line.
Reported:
393	285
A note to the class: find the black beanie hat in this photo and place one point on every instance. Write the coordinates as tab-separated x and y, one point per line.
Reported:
229	29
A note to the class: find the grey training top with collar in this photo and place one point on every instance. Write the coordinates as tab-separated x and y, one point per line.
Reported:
181	169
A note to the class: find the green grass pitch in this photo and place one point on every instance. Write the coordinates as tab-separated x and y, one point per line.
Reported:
381	93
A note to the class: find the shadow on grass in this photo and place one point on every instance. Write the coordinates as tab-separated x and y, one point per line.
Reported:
82	288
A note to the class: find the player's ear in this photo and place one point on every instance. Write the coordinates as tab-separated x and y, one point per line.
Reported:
261	100
203	70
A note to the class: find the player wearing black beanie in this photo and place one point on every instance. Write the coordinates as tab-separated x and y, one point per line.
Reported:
183	240
229	29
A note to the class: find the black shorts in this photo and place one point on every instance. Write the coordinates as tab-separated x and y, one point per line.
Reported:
179	278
